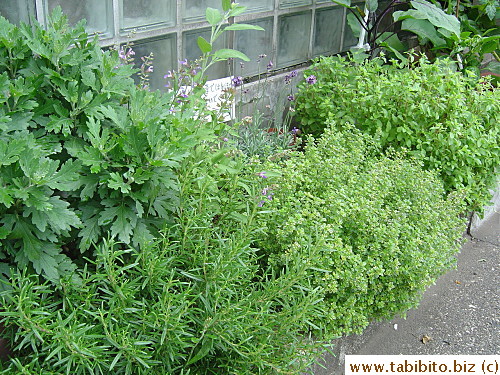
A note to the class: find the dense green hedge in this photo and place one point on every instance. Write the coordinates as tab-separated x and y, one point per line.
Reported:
380	225
445	118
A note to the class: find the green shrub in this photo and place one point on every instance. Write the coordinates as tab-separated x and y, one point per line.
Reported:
83	152
198	301
381	225
444	118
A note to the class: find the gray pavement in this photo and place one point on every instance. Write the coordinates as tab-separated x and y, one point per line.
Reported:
458	315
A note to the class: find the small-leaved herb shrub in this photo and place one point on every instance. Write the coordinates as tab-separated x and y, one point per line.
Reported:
84	153
444	118
197	301
381	225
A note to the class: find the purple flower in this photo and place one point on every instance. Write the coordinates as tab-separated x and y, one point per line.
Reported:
169	75
262	174
270	65
288	79
293	73
237	81
311	79
225	139
261	203
291	98
183	62
295	130
150	69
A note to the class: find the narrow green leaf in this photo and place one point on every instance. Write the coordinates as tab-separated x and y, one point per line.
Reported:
204	46
243	26
204	350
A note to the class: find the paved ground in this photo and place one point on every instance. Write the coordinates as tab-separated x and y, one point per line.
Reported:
459	315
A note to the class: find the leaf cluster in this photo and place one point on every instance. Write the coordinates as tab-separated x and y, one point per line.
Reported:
444	118
380	224
83	152
200	300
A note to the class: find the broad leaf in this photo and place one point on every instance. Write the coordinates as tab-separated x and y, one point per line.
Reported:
226	5
213	16
437	16
205	47
424	29
372	5
123	219
224	54
237	10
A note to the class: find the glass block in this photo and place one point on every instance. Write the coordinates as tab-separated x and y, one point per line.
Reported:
255	43
98	13
191	51
294	3
293	38
164	58
17	11
254	6
194	10
147	14
328	31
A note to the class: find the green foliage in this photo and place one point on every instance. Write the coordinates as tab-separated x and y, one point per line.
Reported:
382	228
444	118
198	301
218	22
83	152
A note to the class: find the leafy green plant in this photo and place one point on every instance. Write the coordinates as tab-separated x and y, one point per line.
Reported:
196	301
218	22
382	228
440	32
443	117
84	153
422	18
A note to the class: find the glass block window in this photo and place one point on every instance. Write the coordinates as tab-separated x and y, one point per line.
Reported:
328	31
17	11
256	43
294	37
295	30
194	10
257	5
164	58
147	14
98	13
294	3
